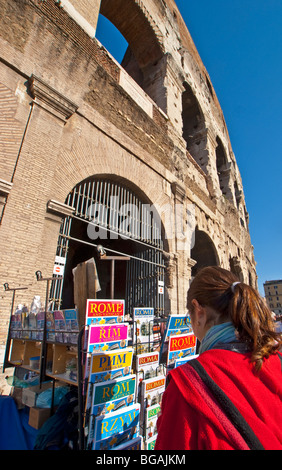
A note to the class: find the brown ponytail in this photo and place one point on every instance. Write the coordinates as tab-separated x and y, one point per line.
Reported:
213	287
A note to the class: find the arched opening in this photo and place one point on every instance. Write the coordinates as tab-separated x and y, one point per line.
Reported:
223	168
193	130
235	268
113	217
136	44
203	252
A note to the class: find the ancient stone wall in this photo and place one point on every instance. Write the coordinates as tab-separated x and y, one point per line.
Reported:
69	111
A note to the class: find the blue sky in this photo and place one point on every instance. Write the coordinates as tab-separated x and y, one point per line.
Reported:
240	43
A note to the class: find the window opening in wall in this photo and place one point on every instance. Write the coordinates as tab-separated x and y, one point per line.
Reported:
193	130
133	39
223	168
111	38
238	194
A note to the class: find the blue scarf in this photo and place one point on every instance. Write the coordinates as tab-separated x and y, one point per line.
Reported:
223	333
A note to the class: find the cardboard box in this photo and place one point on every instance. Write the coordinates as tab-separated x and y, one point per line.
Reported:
30	394
38	416
17	394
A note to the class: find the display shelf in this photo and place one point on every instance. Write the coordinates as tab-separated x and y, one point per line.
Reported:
58	357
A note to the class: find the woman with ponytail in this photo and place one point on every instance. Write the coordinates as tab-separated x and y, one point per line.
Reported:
230	397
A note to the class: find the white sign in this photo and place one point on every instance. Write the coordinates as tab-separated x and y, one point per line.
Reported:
60	260
59	270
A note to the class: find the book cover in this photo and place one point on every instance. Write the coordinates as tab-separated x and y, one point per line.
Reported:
143	332
107	337
110	396
181	346
133	444
71	319
152	391
100	311
151	417
116	428
178	324
72	328
50	326
146	364
60	325
180	362
40	318
109	365
150	443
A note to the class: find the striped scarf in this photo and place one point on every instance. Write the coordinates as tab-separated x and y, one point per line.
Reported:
223	333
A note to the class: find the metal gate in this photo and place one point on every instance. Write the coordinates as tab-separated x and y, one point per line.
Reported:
113	210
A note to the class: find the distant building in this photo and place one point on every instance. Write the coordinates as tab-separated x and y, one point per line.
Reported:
273	295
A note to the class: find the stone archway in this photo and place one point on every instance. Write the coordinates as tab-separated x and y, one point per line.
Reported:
203	252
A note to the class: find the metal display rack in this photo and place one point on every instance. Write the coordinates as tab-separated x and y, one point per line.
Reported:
82	385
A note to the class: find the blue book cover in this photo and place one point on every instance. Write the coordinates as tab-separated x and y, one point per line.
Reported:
114	429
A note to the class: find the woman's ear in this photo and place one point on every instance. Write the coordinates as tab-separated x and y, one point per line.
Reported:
199	312
196	306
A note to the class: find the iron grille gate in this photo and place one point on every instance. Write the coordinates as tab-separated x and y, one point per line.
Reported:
114	210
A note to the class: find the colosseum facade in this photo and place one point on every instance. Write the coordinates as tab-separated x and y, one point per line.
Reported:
133	156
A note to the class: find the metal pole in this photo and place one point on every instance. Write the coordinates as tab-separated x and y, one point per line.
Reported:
7	350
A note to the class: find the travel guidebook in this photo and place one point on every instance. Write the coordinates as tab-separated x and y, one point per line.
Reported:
107	337
151	417
104	311
180	362
178	324
113	429
143	334
108	397
152	391
101	312
180	347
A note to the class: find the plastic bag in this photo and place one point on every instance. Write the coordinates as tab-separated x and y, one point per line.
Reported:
44	399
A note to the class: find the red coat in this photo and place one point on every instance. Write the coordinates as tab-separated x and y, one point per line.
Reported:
192	420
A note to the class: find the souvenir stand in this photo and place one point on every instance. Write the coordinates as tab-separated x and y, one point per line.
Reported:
117	363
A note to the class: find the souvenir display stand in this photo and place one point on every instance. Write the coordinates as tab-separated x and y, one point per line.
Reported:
118	365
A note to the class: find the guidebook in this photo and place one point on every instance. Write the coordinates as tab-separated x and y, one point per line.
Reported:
108	366
180	347
178	324
152	391
151	417
113	429
104	311
143	333
108	397
107	337
180	362
146	367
